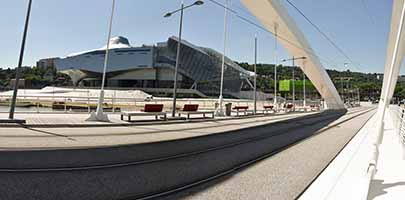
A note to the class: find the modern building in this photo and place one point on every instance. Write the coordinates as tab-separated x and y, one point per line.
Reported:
151	68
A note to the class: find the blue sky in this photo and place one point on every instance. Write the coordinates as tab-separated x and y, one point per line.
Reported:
60	27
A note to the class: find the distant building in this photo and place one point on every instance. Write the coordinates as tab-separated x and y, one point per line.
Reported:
46	63
22	83
152	67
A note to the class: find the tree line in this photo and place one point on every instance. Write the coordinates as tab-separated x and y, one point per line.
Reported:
346	82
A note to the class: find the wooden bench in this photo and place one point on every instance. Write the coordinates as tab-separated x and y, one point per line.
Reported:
148	110
268	108
240	108
192	109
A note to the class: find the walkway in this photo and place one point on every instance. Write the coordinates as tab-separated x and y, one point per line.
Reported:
345	178
71	119
62	137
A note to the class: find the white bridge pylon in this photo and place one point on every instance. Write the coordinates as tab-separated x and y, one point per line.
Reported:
271	13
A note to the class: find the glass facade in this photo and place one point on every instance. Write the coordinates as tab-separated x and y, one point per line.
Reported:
203	67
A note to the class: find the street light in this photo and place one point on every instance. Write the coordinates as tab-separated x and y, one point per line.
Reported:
99	115
304	86
255	85
197	3
181	10
275	66
293	59
220	110
17	71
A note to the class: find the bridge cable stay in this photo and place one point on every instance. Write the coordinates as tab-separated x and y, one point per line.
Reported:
245	19
367	12
324	34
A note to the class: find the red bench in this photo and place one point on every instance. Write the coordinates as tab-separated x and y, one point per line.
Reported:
288	107
190	109
314	107
240	108
268	108
148	110
152	108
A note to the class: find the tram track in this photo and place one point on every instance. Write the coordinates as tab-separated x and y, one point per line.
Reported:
247	163
169	169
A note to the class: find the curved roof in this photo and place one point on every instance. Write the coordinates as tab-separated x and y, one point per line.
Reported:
115	43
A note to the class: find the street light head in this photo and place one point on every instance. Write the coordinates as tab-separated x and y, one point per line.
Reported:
198	3
168	14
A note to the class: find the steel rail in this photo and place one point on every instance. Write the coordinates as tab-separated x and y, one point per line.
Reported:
245	164
182	155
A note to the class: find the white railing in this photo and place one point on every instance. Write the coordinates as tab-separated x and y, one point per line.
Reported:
398	115
45	103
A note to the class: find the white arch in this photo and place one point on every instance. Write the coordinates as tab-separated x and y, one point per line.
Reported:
271	13
395	20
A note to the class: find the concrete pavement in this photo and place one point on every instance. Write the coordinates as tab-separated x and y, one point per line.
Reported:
51	138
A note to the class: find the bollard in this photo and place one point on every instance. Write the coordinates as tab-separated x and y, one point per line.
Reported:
37	104
401	121
88	105
65	106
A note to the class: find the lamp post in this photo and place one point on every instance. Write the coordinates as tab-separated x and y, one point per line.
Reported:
293	59
17	71
255	85
343	90
181	10
275	65
220	109
358	97
99	115
303	85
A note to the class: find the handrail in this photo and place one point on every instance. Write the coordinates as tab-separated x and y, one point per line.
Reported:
398	114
